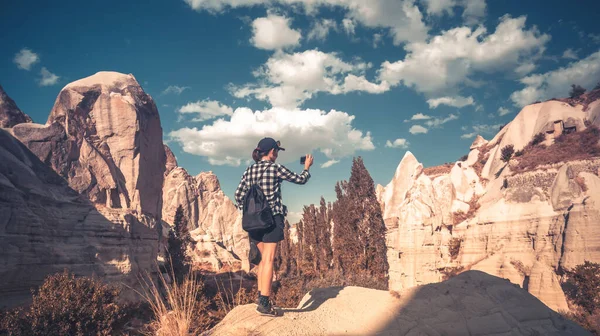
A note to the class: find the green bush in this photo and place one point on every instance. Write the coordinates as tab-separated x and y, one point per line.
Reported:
65	305
583	286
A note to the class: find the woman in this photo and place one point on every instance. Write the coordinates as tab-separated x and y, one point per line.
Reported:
269	175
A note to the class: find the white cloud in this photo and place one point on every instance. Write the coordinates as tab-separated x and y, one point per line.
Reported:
48	78
398	143
377	40
329	163
447	61
349	26
418	116
502	111
230	142
273	32
557	83
457	101
439	7
417	129
320	29
481	129
402	17
25	59
287	80
206	109
570	54
175	89
525	68
438	122
474	10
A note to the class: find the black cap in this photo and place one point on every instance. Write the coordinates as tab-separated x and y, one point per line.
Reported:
267	144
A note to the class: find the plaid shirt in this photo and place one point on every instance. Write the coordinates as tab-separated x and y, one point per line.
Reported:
270	183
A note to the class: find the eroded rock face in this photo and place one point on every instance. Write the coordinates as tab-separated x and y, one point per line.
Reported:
104	136
46	226
10	114
528	225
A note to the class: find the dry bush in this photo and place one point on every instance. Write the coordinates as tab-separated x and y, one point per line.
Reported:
582	288
507	152
581	145
454	246
65	305
460	216
590	322
438	170
537	139
524	271
581	182
478	166
450	272
178	308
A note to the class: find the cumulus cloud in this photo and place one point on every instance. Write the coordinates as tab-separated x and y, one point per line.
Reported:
570	54
273	32
206	109
481	129
329	163
349	26
457	101
175	89
473	10
48	78
230	141
446	62
502	111
418	116
557	83
418	129
402	17
287	80
25	59
320	29
398	143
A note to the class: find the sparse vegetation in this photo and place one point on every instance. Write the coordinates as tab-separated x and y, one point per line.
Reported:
537	139
179	239
576	91
582	288
438	170
66	305
507	152
464	157
524	271
519	153
454	247
575	146
461	216
450	272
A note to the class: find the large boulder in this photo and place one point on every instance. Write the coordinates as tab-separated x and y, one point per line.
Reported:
10	114
472	303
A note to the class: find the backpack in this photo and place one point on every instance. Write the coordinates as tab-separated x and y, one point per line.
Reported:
257	214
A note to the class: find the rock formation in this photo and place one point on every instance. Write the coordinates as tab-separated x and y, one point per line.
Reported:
104	137
473	303
46	227
526	226
10	114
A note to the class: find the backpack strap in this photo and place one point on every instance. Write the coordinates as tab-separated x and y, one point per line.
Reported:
263	172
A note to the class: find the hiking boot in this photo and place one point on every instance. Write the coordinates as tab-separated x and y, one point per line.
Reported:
267	310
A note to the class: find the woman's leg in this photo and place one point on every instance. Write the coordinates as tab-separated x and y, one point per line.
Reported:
265	276
260	246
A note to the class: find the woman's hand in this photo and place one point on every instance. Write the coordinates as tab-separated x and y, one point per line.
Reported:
308	162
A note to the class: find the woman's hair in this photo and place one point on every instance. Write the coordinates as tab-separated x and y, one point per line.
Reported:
257	154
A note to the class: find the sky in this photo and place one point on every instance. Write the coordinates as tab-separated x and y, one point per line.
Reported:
335	78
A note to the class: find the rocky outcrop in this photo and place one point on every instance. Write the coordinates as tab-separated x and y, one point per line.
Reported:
104	136
212	218
473	303
46	227
171	160
10	114
526	227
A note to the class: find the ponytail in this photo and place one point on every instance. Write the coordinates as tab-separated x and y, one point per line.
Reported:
257	155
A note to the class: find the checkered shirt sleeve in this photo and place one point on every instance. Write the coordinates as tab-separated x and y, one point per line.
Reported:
270	183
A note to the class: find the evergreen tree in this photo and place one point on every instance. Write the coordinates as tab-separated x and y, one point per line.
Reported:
177	244
299	247
310	257
324	237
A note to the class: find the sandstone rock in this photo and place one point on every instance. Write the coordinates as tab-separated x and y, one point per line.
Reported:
466	182
459	205
10	114
478	142
473	157
564	189
407	172
171	160
46	226
473	303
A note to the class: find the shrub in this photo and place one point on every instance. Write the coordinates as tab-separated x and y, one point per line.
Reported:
537	139
590	322
519	153
507	152
451	272
454	247
583	286
66	305
177	244
501	127
464	157
576	91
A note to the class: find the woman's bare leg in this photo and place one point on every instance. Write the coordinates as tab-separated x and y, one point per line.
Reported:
260	246
266	268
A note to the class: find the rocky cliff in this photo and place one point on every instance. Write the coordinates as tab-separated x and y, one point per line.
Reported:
485	214
10	114
104	138
473	303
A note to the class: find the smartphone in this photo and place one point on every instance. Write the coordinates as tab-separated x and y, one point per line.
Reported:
302	159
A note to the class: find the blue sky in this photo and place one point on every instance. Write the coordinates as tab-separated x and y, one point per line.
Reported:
338	78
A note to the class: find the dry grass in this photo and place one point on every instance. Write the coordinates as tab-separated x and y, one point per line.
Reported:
438	170
460	216
575	146
176	306
230	295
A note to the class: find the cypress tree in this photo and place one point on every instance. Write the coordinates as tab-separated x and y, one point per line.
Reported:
177	244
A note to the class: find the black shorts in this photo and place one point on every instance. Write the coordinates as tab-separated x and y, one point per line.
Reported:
274	235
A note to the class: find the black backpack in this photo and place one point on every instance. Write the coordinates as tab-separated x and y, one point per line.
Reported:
257	214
